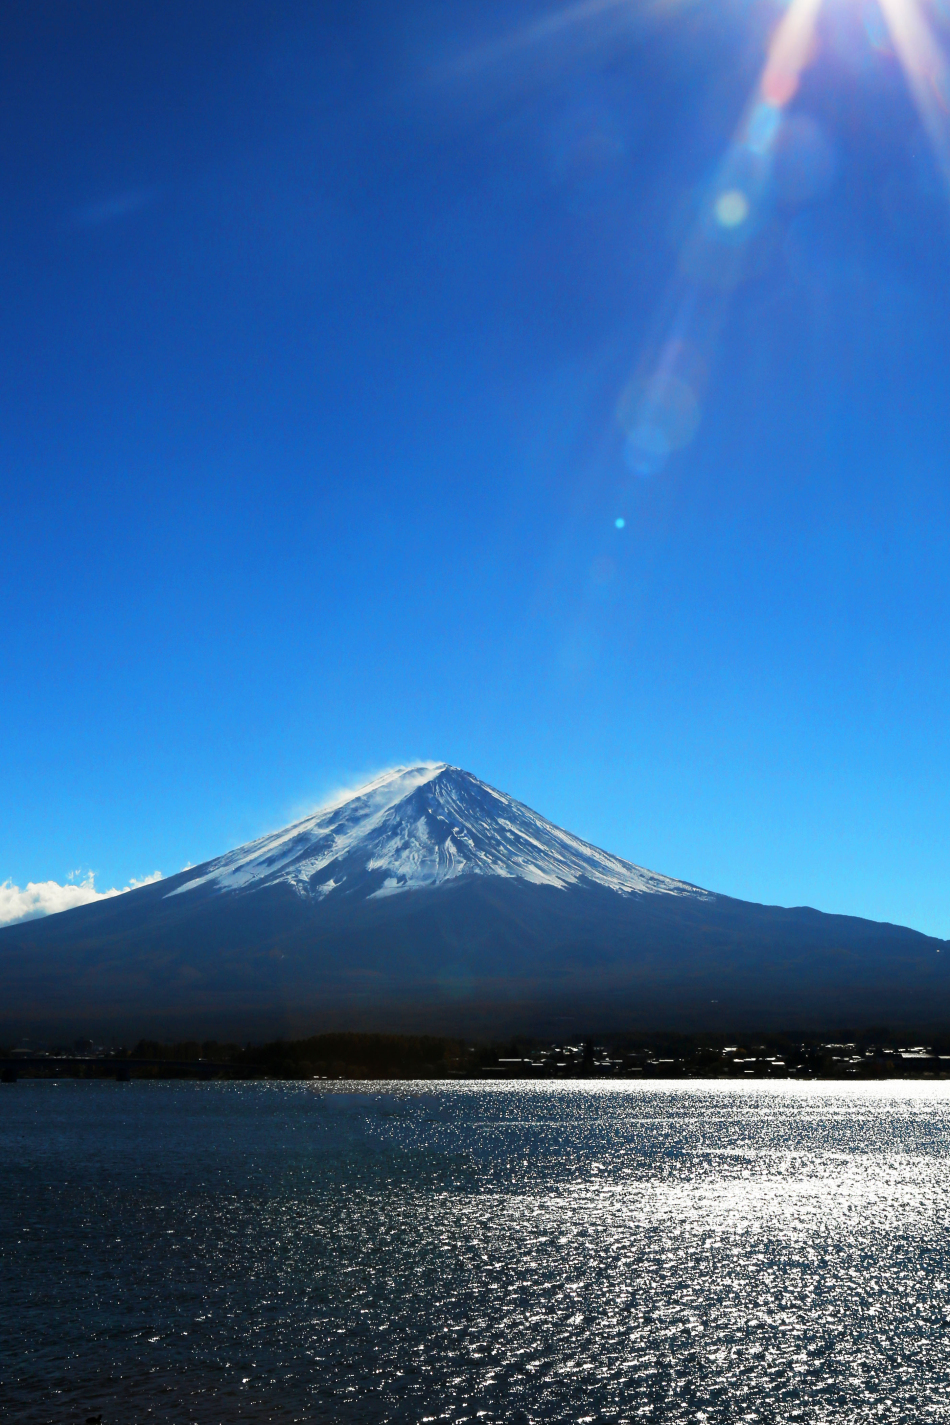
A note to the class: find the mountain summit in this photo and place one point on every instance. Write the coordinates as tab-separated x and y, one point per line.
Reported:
427	899
417	827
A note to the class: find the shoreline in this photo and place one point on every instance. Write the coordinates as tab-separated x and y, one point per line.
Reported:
875	1056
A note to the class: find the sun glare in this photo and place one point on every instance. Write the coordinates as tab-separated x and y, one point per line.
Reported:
928	74
660	407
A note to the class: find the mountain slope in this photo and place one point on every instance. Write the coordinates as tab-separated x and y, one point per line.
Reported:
418	827
428	898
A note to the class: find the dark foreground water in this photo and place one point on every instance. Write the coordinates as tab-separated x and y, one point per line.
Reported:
706	1252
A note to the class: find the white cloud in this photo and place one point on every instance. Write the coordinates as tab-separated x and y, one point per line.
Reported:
136	881
39	898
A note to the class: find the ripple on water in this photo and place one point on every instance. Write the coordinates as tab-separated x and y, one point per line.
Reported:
699	1252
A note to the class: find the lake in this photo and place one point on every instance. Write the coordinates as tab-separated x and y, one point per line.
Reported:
581	1252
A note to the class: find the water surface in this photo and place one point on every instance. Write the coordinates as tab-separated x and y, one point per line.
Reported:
498	1252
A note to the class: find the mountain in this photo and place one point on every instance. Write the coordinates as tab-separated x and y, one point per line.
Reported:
428	899
419	827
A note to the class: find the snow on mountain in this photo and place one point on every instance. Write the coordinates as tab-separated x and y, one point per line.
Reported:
416	827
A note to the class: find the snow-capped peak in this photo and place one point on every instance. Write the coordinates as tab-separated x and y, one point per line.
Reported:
416	827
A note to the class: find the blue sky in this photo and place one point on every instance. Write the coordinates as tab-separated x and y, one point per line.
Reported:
315	321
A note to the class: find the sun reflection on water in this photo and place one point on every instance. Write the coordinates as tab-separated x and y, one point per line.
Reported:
547	1252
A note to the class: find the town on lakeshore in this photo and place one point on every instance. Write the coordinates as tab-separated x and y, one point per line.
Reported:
876	1054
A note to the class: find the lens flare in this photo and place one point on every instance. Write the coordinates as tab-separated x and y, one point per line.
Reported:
789	53
659	410
927	72
732	208
659	416
762	127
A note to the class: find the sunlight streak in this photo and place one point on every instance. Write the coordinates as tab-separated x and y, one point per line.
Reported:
789	52
927	72
659	410
602	18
